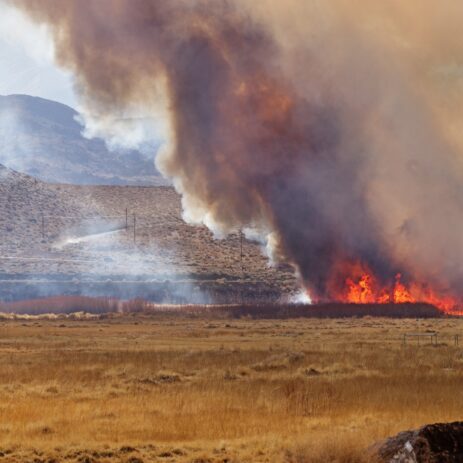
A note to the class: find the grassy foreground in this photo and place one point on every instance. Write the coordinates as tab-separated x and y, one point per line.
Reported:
138	388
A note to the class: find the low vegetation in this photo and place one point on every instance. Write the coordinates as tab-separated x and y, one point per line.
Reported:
61	304
140	388
101	305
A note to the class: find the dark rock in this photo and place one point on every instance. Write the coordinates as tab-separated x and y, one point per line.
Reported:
434	443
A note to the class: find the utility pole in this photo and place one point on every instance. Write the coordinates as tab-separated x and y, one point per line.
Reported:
134	228
241	250
241	290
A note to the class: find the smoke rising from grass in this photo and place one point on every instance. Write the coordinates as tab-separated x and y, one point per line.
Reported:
326	128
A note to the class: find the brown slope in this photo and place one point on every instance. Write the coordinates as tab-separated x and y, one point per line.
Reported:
71	244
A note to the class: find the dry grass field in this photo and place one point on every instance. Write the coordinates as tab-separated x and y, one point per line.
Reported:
143	388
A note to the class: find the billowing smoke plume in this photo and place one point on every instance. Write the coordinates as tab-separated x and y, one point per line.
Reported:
321	125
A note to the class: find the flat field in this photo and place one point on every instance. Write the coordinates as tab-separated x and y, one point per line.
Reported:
142	388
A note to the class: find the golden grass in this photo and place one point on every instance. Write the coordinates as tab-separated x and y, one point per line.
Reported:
305	390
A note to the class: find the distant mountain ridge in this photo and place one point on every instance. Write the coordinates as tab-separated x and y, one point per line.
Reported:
42	138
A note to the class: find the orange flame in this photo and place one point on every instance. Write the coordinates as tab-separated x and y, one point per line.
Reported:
362	287
361	292
401	293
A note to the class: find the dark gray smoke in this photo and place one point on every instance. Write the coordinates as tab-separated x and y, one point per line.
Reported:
316	126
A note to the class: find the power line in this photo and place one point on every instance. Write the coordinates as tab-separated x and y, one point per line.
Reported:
83	218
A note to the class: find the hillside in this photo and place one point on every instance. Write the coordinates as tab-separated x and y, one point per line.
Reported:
43	138
69	239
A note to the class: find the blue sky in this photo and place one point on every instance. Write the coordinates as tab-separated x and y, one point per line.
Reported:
26	60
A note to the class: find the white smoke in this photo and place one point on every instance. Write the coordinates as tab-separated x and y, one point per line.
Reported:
16	148
142	126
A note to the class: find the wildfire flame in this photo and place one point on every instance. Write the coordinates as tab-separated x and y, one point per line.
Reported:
362	287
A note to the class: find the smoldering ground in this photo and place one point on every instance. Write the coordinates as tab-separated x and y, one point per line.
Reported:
323	127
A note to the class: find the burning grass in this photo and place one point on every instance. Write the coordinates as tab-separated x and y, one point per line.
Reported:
356	283
192	389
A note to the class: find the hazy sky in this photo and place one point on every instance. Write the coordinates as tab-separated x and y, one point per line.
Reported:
26	60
